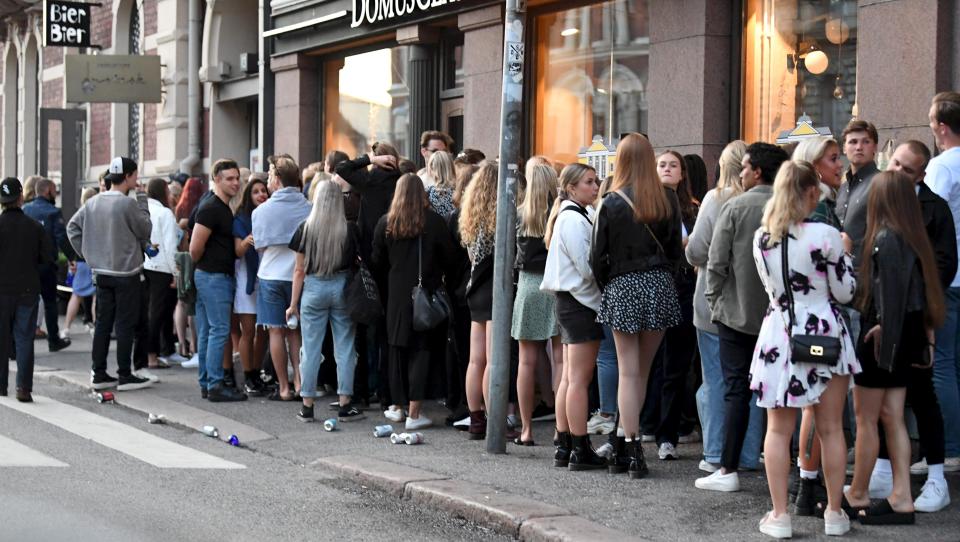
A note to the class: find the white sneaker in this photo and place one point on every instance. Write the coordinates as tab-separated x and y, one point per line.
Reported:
934	497
415	424
145	373
463	424
835	524
605	451
719	482
65	334
174	358
192	363
951	464
776	527
598	424
395	414
920	467
881	485
513	422
690	438
667	452
707	466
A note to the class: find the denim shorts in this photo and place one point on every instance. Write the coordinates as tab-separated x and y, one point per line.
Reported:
273	299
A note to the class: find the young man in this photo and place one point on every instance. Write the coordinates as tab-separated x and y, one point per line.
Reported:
212	250
111	231
274	223
24	248
738	301
911	158
44	210
430	142
860	145
943	177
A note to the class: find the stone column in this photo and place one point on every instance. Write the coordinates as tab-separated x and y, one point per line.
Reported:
482	78
297	107
423	82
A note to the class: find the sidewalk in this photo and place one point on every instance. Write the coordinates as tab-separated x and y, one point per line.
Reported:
519	493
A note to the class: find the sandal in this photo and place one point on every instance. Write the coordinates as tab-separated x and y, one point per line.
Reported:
520	442
277	396
881	513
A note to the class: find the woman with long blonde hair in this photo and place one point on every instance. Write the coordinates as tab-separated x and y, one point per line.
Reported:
441	170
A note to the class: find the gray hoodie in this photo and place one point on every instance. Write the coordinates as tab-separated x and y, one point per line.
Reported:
110	232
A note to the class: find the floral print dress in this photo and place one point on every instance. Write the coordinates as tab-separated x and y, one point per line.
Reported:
821	278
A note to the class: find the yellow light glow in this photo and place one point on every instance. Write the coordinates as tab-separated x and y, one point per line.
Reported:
816	62
367	77
570	32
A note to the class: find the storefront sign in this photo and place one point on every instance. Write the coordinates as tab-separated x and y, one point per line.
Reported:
113	78
374	11
66	24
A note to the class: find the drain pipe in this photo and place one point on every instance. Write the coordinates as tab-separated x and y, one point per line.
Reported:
193	91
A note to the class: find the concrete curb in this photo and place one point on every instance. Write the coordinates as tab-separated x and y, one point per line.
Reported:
520	517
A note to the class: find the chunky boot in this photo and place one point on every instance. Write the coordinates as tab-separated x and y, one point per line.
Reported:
583	456
478	426
619	460
638	465
806	503
563	443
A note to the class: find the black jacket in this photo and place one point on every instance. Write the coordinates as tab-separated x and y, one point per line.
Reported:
940	229
376	187
24	245
531	252
623	245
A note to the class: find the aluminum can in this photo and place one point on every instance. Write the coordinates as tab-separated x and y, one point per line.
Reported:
105	397
234	441
381	431
398	438
293	322
156	418
330	425
413	438
210	431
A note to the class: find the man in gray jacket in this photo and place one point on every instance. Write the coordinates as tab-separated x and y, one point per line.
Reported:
738	301
111	231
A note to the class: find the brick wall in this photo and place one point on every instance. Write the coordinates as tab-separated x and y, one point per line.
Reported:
99	133
52	56
149	17
150	115
101	27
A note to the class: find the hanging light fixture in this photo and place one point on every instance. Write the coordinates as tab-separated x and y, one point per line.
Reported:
837	31
816	61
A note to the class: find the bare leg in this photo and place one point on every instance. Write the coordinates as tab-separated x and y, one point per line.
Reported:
809	459
635	353
898	443
415	409
583	358
776	454
278	354
529	356
230	347
560	405
488	333
73	307
829	420
867	403
478	362
180	324
294	342
248	330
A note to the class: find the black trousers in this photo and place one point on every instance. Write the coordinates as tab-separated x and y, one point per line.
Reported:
923	400
51	307
141	330
18	322
736	353
409	367
679	348
118	302
162	303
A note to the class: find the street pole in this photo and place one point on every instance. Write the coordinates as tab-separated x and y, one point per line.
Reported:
510	116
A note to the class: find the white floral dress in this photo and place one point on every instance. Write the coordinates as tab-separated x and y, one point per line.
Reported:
821	278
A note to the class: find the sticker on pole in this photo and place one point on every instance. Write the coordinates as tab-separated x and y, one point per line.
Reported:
515	61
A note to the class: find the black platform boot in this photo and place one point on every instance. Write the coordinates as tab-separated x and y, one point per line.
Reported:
562	441
619	460
806	503
583	456
638	465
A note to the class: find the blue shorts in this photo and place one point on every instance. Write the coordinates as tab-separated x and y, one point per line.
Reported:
273	299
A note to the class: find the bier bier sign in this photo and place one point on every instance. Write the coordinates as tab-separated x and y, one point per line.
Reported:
374	11
66	24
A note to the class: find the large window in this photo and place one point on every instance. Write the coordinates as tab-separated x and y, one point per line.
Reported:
591	76
366	100
800	68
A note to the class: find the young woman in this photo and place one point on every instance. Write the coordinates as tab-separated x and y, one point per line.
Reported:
83	287
568	275
824	154
902	304
478	216
159	271
636	243
183	315
252	343
440	194
534	311
375	186
327	249
411	244
820	278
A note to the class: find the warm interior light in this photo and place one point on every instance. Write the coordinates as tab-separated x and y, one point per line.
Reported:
816	62
569	32
837	31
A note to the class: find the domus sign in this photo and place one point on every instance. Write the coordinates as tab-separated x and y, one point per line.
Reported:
374	11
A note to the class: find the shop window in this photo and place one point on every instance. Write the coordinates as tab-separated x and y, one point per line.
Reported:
452	62
366	99
591	68
800	68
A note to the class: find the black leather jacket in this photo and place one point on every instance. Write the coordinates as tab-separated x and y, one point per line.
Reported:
531	252
623	245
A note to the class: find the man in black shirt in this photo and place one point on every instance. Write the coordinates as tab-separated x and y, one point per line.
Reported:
211	249
24	246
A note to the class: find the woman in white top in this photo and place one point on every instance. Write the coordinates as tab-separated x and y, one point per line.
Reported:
159	271
567	273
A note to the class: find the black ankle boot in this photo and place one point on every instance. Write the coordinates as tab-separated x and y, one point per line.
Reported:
583	456
638	465
619	460
806	503
562	441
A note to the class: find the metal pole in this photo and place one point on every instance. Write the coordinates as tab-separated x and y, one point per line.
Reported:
510	116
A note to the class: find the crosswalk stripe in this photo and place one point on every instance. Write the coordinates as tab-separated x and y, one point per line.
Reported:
121	437
14	454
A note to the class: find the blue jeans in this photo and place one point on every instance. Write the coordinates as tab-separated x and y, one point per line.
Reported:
710	407
323	301
18	322
214	306
946	376
608	376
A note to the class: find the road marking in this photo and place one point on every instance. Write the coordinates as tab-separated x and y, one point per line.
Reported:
14	454
121	437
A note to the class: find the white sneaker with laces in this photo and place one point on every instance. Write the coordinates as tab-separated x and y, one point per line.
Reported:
415	424
598	424
719	482
776	527
667	452
64	334
175	358
394	414
920	467
951	464
934	497
881	485
463	424
835	524
192	363
605	451
707	466
146	374
690	438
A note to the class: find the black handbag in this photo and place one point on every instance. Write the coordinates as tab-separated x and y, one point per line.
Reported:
363	296
805	348
430	309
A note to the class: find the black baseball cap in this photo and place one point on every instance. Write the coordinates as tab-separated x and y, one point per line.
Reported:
10	190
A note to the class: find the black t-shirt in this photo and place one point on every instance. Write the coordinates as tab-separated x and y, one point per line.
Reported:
219	255
351	250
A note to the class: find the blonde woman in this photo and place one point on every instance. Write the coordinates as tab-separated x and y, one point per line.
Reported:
534	312
440	193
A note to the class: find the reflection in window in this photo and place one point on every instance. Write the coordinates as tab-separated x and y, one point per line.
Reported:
591	76
366	100
800	60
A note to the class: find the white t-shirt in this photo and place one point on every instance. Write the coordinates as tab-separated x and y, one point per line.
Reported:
943	177
277	263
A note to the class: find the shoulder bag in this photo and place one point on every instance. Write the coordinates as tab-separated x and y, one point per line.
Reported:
430	309
363	296
817	349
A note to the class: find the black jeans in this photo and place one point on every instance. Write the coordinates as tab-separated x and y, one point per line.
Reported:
141	330
51	307
18	321
736	353
409	367
162	303
680	346
118	302
923	401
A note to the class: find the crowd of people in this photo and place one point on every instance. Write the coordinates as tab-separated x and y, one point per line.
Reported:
652	308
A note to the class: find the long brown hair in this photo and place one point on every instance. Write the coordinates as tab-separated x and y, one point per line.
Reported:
478	210
636	167
408	210
688	204
893	205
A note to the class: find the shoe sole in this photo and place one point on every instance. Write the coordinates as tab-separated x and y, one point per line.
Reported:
561	464
930	510
103	385
305	420
579	467
777	532
721	490
132	387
